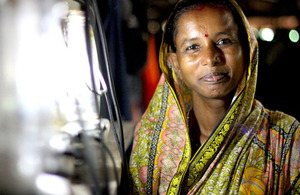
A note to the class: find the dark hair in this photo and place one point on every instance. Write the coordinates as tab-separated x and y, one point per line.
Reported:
186	5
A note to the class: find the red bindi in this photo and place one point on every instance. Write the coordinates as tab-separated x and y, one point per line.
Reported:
206	35
201	6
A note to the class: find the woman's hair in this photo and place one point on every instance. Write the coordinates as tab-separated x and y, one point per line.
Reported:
186	5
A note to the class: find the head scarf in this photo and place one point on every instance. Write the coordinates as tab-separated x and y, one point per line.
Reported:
162	162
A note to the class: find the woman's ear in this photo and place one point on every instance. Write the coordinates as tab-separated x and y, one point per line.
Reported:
172	59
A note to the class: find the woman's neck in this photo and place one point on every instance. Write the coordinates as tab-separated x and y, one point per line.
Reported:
209	113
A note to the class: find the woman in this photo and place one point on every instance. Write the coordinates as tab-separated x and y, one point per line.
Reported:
203	131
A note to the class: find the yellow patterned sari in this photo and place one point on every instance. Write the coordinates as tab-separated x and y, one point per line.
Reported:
252	151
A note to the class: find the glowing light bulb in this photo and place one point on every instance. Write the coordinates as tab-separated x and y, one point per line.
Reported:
294	36
266	34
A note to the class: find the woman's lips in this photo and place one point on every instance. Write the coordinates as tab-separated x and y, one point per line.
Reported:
215	77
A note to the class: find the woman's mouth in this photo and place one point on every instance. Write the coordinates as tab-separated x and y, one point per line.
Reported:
215	77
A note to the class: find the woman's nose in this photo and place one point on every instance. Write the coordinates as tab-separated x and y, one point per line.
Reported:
210	56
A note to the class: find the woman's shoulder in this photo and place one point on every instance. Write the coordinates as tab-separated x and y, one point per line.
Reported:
279	136
281	122
278	132
274	121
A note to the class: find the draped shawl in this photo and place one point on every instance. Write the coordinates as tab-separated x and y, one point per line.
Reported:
252	150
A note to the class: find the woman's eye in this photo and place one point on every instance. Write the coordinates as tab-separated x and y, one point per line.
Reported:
192	48
224	42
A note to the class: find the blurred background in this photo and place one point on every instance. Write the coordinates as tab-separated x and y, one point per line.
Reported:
275	23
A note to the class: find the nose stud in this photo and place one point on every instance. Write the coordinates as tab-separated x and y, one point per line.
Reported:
217	59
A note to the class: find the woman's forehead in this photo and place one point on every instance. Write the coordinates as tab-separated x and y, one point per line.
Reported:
206	17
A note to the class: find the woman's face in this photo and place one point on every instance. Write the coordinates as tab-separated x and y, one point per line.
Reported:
209	56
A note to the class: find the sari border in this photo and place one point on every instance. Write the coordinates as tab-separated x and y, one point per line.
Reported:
175	185
209	148
155	138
